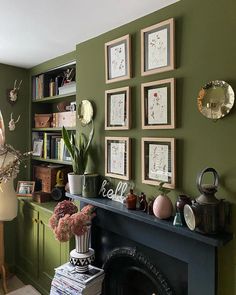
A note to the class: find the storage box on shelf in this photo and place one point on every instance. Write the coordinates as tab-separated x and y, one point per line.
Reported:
46	174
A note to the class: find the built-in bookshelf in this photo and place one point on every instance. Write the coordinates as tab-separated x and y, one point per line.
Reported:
53	106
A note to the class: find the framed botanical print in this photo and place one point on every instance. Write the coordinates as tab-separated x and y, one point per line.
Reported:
157	48
158	161
117	59
158	104
117	157
117	109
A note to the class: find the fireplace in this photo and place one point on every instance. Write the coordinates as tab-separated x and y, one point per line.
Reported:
185	261
129	272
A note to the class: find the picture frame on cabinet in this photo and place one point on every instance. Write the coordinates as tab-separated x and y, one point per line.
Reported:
158	104
117	157
117	109
157	48
25	188
118	59
158	161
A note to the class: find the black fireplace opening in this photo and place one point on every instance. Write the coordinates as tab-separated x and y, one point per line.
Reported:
132	268
129	272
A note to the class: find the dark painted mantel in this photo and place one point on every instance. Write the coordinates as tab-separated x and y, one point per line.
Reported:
197	250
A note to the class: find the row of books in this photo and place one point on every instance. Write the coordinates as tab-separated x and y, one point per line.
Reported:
68	280
44	86
38	87
50	145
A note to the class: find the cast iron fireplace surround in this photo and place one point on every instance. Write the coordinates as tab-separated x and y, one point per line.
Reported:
184	261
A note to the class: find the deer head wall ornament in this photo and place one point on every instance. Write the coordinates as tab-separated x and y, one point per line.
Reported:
13	93
12	123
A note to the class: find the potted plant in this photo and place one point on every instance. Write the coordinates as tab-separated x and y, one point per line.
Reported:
162	206
78	148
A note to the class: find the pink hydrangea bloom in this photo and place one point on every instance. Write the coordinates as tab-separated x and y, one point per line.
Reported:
66	221
53	221
79	222
63	230
65	207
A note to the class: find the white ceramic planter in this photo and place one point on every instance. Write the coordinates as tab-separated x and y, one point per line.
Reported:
75	183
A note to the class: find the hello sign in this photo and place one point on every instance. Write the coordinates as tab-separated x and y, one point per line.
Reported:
117	195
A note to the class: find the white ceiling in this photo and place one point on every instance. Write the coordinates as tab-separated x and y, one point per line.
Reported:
32	32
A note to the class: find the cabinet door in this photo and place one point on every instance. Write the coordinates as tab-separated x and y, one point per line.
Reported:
27	237
51	252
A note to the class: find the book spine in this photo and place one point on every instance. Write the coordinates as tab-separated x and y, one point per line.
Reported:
45	138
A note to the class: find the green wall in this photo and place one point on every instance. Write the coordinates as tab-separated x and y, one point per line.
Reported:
18	138
205	51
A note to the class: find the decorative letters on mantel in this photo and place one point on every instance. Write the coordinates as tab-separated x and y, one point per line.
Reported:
117	195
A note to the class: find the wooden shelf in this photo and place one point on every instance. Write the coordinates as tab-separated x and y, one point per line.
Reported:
52	99
51	161
53	129
116	207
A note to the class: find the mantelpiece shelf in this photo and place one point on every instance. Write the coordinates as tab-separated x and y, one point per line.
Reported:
53	99
116	207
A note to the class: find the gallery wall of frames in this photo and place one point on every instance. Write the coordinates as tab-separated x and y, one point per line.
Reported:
157	104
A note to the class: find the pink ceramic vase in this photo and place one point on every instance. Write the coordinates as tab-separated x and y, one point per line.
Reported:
162	207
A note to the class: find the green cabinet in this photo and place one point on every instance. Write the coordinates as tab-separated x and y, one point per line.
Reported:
38	253
27	234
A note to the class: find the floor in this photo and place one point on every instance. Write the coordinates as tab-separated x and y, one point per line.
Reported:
12	284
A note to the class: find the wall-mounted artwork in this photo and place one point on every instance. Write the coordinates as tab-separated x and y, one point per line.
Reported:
117	109
117	157
158	161
157	48
158	104
117	59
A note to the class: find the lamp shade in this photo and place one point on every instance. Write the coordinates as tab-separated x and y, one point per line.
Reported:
8	200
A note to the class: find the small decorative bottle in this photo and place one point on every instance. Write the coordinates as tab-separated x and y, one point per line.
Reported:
143	203
131	200
150	207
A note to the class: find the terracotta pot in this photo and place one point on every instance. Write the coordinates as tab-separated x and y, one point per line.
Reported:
162	207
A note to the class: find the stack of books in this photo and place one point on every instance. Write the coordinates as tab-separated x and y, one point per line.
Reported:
68	281
67	88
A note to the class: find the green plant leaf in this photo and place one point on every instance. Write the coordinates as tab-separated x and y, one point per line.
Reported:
78	149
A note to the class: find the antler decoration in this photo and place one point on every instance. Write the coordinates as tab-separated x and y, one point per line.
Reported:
14	92
12	123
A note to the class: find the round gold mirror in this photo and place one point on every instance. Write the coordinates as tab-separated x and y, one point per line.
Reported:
85	112
215	99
